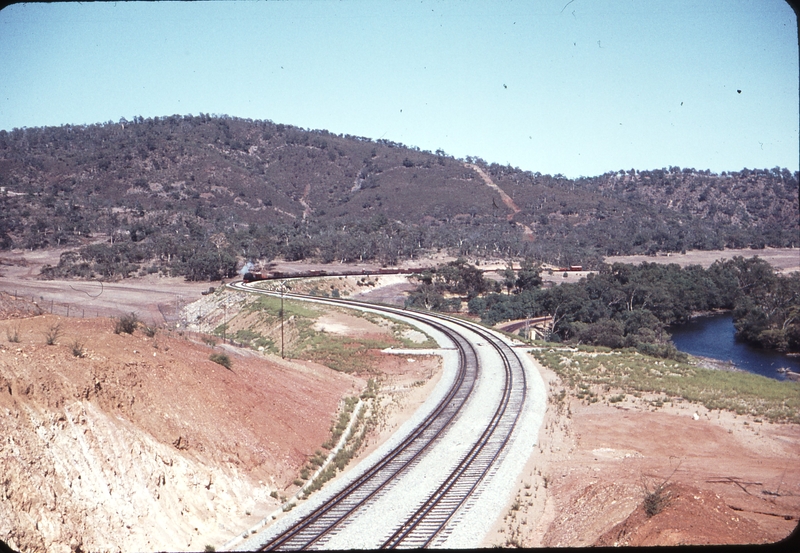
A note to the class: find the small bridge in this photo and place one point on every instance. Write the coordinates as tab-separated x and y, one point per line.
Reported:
536	327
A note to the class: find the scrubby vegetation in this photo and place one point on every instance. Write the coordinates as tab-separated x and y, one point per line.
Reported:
365	421
78	348
197	195
126	324
342	353
12	334
597	374
221	359
52	334
626	305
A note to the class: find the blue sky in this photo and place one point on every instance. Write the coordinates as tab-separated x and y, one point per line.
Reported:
577	88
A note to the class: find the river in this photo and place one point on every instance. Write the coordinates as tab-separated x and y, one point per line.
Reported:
713	336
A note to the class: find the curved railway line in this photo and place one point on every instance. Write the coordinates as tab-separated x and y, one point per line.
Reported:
433	520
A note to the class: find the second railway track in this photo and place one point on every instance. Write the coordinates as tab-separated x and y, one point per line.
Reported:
432	517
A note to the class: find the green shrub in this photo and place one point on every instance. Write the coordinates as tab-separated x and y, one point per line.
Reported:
221	359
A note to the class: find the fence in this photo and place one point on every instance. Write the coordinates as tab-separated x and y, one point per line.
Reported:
170	313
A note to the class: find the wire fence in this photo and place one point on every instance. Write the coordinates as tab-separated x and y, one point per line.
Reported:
170	313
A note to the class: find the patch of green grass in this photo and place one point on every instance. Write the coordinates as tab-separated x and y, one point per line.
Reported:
338	428
398	331
265	343
372	389
397	327
340	353
246	335
350	449
271	305
634	373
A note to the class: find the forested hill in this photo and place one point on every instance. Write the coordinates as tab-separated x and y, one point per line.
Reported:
196	195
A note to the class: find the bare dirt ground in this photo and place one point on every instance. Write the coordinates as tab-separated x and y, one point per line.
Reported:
143	443
785	259
154	299
727	479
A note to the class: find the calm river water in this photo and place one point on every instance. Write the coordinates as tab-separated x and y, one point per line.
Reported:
713	337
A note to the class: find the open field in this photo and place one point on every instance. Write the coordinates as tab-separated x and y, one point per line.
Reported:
154	299
785	259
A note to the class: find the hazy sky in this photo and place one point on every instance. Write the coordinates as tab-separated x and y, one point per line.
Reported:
574	87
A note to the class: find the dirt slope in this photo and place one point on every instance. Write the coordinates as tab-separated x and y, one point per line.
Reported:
727	479
144	443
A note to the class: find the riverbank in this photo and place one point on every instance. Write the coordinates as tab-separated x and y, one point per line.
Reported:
712	340
595	463
714	364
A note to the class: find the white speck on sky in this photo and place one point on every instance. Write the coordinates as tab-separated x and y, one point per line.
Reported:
577	88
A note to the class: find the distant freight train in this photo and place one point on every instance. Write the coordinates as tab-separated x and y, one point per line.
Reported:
252	277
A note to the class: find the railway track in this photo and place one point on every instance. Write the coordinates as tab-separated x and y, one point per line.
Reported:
435	518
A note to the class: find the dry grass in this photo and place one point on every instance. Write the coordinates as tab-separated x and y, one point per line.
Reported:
597	373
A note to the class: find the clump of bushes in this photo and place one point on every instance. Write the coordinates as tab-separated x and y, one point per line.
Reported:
126	323
655	501
221	359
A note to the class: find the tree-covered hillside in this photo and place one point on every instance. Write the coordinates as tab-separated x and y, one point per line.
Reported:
198	195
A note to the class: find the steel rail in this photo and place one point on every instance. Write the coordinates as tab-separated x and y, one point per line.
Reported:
431	518
434	514
323	520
